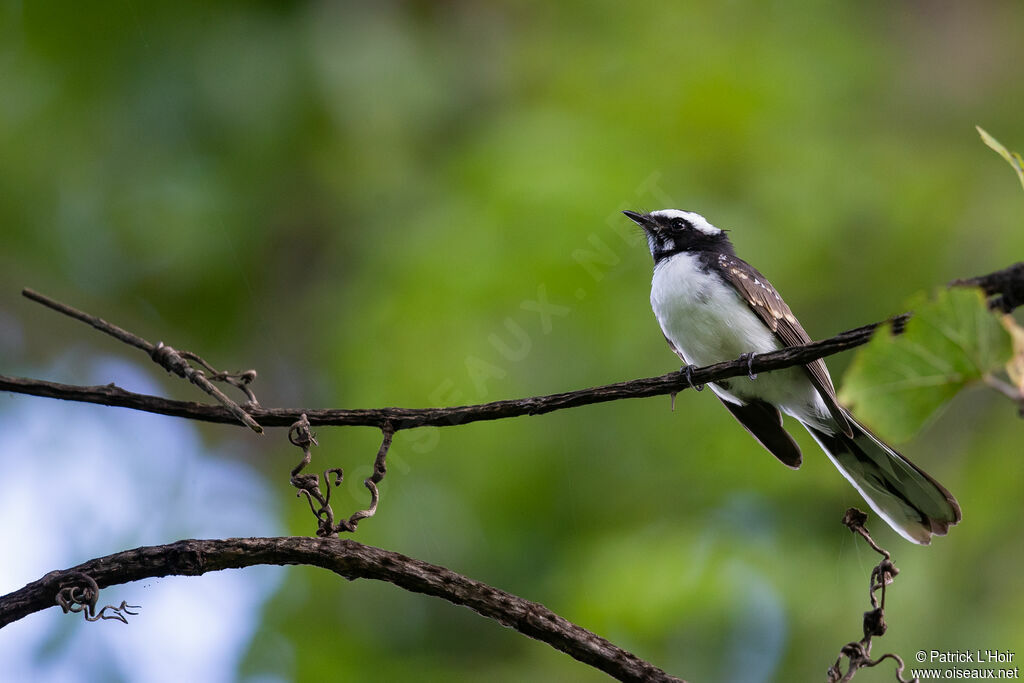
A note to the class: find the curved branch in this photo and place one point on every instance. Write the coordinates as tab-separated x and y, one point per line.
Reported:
350	560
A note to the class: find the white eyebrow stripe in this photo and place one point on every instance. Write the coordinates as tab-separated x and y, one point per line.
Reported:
695	219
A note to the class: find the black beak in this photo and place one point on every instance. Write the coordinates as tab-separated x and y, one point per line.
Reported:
640	219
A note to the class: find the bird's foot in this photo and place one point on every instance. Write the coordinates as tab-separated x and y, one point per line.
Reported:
687	371
749	357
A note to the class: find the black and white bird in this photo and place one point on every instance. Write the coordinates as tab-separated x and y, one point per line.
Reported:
713	307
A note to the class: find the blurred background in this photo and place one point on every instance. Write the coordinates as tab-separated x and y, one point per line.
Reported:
416	204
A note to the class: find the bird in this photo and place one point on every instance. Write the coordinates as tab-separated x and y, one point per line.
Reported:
712	306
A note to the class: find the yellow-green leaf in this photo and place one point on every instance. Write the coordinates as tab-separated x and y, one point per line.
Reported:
1012	158
897	383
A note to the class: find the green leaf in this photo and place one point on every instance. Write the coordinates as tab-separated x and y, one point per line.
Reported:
897	383
1012	158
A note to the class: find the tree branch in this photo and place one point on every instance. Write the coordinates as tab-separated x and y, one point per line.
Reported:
1005	285
166	357
408	418
350	560
1005	288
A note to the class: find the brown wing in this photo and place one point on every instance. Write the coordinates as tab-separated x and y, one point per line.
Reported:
762	298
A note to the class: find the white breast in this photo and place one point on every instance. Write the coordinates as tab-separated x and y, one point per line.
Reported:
703	316
708	322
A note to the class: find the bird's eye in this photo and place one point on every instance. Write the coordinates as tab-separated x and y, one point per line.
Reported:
681	224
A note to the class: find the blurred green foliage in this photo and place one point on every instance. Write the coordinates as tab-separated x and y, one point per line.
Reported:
897	383
358	199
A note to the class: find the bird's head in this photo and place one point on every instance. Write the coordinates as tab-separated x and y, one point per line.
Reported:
671	231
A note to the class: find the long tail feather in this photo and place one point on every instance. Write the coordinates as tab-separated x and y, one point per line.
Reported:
904	495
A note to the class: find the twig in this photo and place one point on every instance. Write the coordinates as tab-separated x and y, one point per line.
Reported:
1005	288
239	380
380	468
859	652
1005	388
168	358
302	436
99	323
78	592
350	560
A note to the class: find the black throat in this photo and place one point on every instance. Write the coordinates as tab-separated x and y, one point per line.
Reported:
707	247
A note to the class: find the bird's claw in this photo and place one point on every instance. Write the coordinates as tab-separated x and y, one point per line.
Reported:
749	357
688	373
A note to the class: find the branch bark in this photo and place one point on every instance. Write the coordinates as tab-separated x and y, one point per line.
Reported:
166	357
1003	286
350	560
408	418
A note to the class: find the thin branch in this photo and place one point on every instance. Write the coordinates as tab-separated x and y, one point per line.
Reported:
166	357
1005	284
1005	388
1005	288
408	418
99	323
350	560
